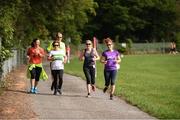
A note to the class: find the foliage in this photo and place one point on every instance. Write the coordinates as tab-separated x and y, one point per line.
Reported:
129	43
140	19
118	46
178	40
21	21
4	53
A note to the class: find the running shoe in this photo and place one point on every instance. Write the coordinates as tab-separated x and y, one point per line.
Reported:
59	91
35	90
55	92
88	95
105	89
51	87
111	97
32	90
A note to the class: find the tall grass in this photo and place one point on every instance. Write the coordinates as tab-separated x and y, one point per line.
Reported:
150	82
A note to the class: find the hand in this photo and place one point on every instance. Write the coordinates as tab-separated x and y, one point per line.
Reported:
40	55
105	62
28	58
37	52
64	62
52	58
94	58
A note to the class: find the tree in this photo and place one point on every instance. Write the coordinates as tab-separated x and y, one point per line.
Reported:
23	20
139	20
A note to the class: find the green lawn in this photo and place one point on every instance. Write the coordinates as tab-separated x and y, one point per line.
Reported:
150	82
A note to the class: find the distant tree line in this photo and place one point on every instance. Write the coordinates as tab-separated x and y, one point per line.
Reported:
139	20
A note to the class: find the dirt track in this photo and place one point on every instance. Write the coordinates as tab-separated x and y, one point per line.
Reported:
15	103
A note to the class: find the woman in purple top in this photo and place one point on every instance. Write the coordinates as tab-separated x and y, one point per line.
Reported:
110	58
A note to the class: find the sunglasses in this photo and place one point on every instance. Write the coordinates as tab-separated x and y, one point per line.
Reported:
56	45
88	43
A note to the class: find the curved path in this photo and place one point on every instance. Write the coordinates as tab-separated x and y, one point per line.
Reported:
73	104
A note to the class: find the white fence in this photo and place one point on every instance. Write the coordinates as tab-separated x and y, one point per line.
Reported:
139	48
162	47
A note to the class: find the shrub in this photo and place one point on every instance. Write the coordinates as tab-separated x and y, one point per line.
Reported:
129	43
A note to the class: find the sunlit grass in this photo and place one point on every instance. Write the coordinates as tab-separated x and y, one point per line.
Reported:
151	82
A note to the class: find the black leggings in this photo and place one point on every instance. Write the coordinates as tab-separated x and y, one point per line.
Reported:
89	74
35	73
57	74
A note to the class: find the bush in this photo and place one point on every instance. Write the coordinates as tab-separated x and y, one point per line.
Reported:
5	54
178	41
129	43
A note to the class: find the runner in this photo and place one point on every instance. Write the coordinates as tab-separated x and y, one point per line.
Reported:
58	38
110	58
57	57
89	55
35	70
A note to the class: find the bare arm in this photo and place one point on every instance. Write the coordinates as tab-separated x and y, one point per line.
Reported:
118	60
96	56
81	57
65	59
49	58
103	60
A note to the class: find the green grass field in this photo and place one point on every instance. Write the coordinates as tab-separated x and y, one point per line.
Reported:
150	82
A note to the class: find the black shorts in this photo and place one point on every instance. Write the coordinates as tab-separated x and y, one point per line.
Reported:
35	73
173	49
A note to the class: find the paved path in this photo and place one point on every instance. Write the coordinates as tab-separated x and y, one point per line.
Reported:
73	104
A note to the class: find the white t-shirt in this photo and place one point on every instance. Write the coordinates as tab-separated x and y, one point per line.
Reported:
58	56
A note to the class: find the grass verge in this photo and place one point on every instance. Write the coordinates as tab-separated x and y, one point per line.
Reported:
150	82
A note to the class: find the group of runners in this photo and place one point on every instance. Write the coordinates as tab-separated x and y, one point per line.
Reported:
58	57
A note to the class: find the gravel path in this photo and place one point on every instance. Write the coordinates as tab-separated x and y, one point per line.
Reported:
73	104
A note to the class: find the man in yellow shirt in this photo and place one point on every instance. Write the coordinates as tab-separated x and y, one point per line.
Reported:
59	39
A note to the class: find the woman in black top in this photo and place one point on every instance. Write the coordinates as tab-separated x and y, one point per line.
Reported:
89	55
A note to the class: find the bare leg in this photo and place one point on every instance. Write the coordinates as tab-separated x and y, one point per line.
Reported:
32	81
89	88
112	89
36	83
93	87
112	92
